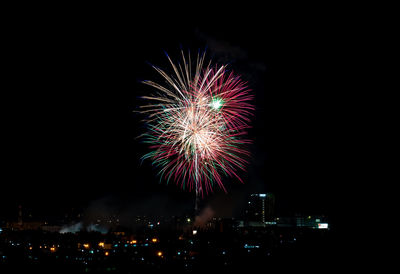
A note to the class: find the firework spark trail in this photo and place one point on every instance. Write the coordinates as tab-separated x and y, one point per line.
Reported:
197	122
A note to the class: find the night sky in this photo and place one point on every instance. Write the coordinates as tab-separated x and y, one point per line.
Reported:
73	83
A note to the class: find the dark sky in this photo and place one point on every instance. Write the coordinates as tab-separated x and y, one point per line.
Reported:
73	83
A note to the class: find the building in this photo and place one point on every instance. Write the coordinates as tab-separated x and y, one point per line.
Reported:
260	209
317	222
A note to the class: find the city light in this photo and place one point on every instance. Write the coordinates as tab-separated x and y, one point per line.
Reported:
323	226
189	244
251	246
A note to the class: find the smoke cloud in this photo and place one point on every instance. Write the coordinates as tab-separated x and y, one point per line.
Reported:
205	216
77	227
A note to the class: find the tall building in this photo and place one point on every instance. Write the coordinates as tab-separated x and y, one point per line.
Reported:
269	207
260	208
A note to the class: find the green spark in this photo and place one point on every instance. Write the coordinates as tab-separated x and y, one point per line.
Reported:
216	103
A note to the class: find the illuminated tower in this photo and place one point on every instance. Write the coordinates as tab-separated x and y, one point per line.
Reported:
269	207
255	208
260	207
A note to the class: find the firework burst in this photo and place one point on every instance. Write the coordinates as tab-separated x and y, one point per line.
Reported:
197	122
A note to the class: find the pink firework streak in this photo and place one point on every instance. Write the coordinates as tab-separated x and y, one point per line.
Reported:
197	124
